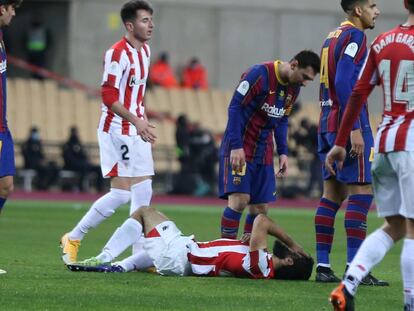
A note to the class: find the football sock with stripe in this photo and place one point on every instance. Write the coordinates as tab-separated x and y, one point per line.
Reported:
356	222
324	228
407	271
230	223
100	210
248	225
371	252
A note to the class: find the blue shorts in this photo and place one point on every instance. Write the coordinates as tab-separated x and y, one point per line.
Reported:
258	180
7	166
354	170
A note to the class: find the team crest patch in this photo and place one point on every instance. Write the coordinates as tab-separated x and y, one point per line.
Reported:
114	68
351	49
243	87
236	180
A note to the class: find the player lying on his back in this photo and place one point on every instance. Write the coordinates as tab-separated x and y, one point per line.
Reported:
175	254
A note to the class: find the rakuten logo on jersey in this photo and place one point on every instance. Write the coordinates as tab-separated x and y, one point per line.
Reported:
136	82
273	111
3	66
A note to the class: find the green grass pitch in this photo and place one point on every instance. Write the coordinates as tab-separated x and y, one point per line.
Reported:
38	280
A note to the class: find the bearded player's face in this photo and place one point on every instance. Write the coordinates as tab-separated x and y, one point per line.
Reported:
369	13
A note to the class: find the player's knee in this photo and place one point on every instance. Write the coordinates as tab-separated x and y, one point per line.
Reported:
395	227
238	201
261	220
6	189
258	209
143	212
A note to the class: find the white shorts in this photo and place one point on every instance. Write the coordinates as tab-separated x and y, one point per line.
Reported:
168	249
393	183
124	156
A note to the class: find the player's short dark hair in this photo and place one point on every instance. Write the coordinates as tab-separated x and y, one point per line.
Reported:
348	5
300	270
409	4
308	58
14	3
129	9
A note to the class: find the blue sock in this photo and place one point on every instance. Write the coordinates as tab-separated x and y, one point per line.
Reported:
2	201
324	228
248	225
230	223
356	222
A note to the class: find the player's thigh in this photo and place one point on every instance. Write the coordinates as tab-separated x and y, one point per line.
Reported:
232	182
387	192
263	185
403	164
151	217
141	160
7	164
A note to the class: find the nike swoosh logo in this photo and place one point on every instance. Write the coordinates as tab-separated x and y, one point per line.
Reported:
272	92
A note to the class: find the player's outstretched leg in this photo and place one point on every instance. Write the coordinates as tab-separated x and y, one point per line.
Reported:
356	227
100	210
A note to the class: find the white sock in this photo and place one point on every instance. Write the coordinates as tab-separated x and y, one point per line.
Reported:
101	209
141	194
370	253
126	235
138	261
407	271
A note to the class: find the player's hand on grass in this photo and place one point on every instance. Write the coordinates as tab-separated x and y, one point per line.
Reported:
237	160
336	154
144	129
283	166
357	144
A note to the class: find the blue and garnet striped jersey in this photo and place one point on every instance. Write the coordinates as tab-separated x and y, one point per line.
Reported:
3	89
259	111
342	57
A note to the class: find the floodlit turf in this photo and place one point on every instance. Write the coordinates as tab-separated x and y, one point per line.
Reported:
38	280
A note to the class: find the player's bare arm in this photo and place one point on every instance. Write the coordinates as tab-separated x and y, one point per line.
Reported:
237	159
264	226
143	126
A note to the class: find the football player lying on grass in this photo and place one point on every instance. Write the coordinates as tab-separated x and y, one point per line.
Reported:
171	253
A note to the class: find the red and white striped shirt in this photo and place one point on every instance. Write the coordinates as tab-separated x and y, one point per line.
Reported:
390	63
124	80
225	257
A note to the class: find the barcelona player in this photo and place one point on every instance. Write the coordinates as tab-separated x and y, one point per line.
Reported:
258	112
343	54
391	64
7	167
